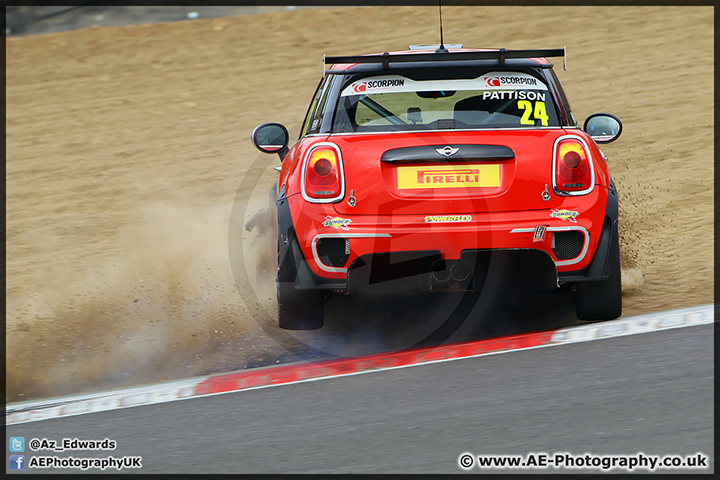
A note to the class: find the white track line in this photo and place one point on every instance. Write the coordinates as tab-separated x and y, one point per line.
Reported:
26	412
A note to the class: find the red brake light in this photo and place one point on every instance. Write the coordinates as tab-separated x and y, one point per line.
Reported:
323	167
573	172
572	160
322	177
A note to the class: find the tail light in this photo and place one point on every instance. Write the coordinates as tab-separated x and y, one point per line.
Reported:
322	174
574	173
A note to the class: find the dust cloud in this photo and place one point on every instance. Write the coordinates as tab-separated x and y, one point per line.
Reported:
632	279
166	309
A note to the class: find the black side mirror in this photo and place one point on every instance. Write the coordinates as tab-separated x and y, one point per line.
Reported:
271	138
603	127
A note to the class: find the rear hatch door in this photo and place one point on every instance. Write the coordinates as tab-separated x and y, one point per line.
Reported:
447	173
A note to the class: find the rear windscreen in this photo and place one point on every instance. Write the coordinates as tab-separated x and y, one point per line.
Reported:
493	100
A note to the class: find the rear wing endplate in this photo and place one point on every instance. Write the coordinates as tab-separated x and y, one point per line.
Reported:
500	55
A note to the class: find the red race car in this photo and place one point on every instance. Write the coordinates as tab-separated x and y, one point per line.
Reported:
429	169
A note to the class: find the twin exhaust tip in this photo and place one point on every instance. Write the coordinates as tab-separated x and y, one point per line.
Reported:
457	271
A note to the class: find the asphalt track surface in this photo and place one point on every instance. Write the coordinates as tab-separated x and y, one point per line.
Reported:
649	393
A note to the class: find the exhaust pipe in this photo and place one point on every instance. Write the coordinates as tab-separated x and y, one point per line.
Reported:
460	271
452	272
440	273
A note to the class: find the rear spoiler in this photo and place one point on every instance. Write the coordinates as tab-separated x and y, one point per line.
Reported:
500	55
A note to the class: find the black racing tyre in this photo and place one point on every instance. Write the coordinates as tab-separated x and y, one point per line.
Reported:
601	300
300	309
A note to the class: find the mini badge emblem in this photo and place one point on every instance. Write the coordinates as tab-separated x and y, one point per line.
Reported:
447	151
352	201
565	215
337	222
546	193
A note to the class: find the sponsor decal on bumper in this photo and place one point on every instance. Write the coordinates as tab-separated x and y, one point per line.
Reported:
447	218
565	215
337	222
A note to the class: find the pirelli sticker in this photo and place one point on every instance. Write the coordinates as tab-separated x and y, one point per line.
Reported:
448	176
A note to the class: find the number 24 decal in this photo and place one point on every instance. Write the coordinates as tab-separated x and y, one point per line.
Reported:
539	113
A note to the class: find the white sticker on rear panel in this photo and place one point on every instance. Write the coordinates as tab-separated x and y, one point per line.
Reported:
489	81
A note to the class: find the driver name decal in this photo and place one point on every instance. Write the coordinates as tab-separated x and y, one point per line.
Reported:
514	95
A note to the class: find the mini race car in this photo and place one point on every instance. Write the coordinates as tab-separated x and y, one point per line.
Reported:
430	169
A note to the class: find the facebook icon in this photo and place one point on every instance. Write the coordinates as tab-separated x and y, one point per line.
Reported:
17	462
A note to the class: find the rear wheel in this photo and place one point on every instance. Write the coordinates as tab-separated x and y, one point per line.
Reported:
297	309
601	300
300	309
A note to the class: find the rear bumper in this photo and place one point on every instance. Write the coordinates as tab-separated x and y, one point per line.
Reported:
425	271
399	252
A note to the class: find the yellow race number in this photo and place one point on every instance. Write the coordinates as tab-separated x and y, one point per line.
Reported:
539	113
